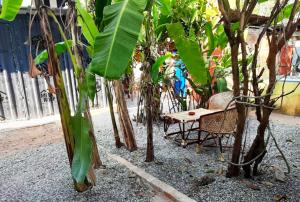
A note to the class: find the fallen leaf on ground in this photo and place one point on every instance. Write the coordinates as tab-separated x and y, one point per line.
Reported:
290	140
188	160
279	197
221	157
266	183
210	171
253	186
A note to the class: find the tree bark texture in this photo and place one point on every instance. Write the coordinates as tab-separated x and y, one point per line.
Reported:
77	53
61	94
235	170
149	119
258	146
108	93
124	119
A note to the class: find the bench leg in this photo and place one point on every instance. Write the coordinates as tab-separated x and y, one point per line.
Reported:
183	140
220	144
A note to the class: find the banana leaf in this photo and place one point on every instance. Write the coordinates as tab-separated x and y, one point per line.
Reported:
156	65
59	47
99	7
114	46
210	37
10	9
190	53
90	79
87	24
83	148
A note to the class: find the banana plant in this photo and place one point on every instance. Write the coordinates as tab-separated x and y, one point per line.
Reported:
60	48
10	9
190	53
113	47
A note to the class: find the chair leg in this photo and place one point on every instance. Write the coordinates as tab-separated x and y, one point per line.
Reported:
199	135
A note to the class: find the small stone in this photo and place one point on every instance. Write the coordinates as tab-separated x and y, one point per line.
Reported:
131	175
205	180
279	174
221	171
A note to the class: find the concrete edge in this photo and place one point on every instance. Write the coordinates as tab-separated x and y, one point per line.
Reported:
169	191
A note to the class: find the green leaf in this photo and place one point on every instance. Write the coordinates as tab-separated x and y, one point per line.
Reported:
165	6
286	11
59	47
210	37
87	24
10	9
221	37
262	1
91	84
99	7
156	65
155	14
114	46
234	26
190	53
221	85
83	148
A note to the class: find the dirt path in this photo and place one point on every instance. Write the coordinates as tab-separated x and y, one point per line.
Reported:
20	140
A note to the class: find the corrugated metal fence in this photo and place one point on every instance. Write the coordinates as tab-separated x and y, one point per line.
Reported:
23	97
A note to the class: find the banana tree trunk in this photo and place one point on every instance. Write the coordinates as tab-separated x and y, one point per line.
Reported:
112	115
63	105
74	32
61	94
124	119
149	115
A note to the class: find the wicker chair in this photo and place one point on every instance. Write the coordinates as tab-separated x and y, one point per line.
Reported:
217	125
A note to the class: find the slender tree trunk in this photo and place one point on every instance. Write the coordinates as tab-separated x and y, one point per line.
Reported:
235	170
74	32
124	119
61	94
258	146
112	115
149	115
147	83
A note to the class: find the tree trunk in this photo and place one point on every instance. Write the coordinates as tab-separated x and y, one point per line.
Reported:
258	146
149	115
147	84
112	115
235	170
74	32
62	100
124	119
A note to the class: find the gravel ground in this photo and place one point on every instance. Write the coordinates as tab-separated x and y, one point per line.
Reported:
183	168
43	174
